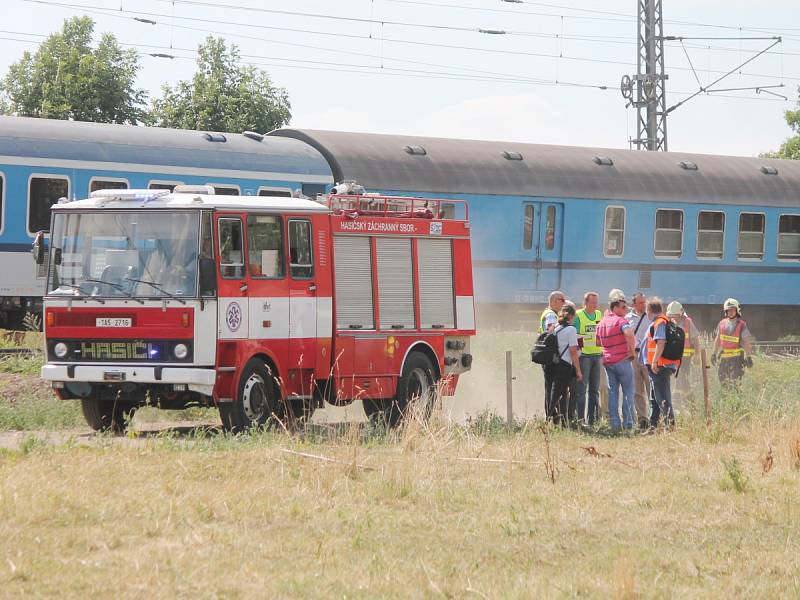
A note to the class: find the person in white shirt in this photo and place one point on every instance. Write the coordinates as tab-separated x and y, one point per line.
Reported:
640	323
566	369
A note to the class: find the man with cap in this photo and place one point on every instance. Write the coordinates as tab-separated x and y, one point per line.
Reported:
547	323
732	345
677	315
640	322
615	335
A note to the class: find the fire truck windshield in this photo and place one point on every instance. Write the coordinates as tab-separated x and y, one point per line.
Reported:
124	254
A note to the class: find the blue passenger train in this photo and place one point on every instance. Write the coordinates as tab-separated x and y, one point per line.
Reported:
697	228
43	160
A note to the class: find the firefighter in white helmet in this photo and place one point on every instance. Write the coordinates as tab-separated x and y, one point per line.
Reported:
732	345
691	345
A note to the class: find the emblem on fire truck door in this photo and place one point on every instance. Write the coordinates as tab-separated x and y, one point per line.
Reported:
233	317
436	228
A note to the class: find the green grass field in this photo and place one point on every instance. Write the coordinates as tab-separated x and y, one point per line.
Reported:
434	510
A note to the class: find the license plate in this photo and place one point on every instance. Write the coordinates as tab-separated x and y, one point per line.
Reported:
113	322
113	376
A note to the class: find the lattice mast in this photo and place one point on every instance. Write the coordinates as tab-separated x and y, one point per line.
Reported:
646	91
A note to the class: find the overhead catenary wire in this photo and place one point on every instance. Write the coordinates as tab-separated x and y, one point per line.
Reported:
121	12
467	74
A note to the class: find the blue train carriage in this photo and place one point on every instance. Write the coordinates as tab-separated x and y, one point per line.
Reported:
43	160
696	228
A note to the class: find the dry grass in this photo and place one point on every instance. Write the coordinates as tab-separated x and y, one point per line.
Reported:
436	511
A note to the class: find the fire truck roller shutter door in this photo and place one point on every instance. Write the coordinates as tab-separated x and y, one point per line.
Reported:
353	272
435	263
395	283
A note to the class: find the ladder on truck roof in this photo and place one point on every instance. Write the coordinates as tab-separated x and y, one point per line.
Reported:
399	207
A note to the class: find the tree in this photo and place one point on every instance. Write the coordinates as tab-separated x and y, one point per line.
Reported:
791	147
67	79
222	96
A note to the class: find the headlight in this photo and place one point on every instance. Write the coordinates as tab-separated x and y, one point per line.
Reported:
60	349
180	351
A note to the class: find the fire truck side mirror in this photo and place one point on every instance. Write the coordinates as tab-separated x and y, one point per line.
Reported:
208	277
38	249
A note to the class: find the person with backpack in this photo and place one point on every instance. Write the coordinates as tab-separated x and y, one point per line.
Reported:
566	368
664	342
615	335
677	315
547	323
732	345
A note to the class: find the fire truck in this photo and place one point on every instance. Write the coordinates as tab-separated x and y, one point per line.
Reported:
265	307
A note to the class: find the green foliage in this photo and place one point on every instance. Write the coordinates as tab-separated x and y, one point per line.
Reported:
791	147
222	96
736	477
68	79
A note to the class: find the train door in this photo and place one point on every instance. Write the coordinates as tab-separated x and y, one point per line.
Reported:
542	242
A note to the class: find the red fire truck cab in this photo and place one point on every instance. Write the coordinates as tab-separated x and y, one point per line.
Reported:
263	306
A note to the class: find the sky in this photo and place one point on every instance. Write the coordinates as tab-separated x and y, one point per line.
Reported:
423	67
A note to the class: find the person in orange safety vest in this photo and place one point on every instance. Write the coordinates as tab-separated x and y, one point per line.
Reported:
732	345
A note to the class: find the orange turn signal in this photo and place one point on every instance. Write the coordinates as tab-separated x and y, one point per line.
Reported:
51	318
185	319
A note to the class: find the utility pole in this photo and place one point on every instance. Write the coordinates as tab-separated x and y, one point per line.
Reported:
646	91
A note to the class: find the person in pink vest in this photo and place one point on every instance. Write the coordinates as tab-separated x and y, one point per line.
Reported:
615	335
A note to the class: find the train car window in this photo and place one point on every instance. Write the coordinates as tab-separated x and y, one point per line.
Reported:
527	232
265	191
789	237
231	254
163	185
710	234
225	190
107	184
301	264
550	228
43	192
265	246
614	235
668	241
751	236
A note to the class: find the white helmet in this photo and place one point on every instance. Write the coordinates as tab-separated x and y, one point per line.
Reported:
675	309
732	303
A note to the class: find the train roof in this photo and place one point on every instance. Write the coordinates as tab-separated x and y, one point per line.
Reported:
164	200
429	165
129	147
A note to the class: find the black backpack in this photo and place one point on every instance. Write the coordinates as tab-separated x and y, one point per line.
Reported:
675	339
545	350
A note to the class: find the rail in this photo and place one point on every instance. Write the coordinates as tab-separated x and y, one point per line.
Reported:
19	351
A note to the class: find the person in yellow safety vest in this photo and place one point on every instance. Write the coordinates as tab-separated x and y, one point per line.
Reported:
732	345
691	344
591	359
547	323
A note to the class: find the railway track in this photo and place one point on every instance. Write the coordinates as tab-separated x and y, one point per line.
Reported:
19	351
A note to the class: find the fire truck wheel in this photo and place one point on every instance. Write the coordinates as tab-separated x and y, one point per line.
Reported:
256	400
107	415
416	391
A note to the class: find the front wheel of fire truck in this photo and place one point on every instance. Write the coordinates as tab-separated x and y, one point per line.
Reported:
107	415
416	393
257	400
